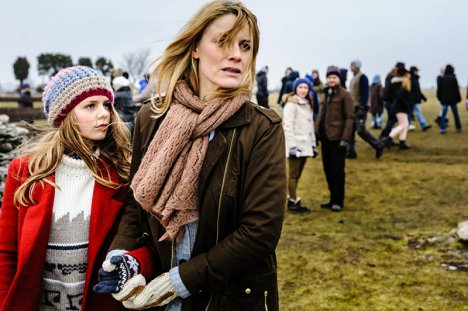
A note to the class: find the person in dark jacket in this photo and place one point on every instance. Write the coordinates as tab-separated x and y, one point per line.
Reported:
359	88
399	95
25	96
123	101
262	87
208	178
388	100
343	77
287	84
334	127
416	98
376	102
448	93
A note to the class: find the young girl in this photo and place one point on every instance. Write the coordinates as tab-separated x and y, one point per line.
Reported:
63	198
298	126
208	178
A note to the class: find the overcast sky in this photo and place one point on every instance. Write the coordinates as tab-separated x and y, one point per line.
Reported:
304	34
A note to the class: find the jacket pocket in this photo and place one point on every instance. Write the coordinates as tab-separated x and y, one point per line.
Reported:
251	292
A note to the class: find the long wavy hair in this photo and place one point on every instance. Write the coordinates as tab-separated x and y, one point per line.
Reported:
177	62
46	151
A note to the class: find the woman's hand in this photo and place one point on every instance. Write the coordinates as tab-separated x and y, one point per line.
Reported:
158	292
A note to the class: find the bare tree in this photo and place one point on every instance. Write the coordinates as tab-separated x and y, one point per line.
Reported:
136	63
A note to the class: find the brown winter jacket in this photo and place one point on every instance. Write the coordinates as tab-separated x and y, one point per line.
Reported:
339	115
242	199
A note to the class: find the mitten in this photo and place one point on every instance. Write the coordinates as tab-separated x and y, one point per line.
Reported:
314	152
158	292
115	273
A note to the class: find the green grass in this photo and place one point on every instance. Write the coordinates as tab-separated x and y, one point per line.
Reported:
359	259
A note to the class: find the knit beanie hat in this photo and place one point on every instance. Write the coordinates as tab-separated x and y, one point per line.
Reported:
69	87
299	81
376	79
120	82
333	70
356	63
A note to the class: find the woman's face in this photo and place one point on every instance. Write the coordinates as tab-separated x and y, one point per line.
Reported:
93	117
302	90
221	67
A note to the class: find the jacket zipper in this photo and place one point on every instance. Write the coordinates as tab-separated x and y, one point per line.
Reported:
223	184
266	304
221	198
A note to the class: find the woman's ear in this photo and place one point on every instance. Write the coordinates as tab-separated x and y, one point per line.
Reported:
195	53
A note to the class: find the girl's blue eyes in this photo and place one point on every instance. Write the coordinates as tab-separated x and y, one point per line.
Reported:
92	106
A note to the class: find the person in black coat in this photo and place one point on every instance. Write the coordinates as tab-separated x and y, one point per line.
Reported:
399	96
287	83
262	87
123	102
448	93
416	98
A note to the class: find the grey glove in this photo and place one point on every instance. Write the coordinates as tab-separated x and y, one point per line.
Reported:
343	145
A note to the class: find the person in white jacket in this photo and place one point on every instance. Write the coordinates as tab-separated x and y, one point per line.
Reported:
298	124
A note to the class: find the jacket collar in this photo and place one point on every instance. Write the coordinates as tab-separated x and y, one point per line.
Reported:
242	117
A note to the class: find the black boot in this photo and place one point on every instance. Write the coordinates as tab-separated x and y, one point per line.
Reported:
404	145
379	150
295	206
386	141
327	204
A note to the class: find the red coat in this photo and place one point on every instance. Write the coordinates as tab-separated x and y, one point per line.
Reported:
24	234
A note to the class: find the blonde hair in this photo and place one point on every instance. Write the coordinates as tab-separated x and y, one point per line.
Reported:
178	64
406	84
46	151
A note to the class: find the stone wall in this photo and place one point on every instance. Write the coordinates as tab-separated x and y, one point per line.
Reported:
11	136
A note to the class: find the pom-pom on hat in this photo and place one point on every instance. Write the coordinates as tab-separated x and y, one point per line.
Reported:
333	70
299	81
69	87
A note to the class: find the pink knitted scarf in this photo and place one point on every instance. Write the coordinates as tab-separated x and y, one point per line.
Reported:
166	183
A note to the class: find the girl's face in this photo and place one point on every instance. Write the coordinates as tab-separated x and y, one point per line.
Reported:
93	117
221	67
302	90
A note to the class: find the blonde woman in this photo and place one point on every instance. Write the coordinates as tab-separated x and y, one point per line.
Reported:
63	198
399	96
208	188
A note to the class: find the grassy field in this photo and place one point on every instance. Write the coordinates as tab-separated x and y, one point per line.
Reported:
386	249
